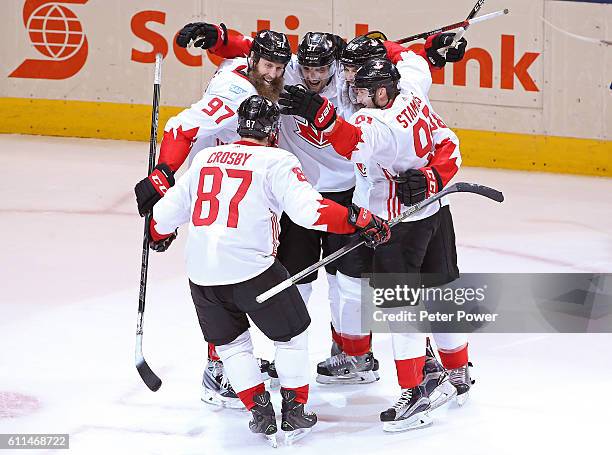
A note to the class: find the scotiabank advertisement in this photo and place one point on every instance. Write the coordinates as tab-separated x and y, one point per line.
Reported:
516	76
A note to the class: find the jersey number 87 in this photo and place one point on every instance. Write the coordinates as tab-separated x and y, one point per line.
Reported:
217	175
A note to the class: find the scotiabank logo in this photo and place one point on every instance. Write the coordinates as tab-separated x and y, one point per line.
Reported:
55	32
511	67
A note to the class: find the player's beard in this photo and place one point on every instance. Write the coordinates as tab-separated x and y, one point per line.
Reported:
271	91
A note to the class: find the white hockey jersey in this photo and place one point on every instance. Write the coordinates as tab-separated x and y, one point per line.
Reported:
325	170
407	135
232	196
211	121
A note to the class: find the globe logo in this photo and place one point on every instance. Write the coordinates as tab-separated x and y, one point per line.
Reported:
55	31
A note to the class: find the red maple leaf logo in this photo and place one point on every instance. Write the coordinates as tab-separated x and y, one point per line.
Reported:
310	134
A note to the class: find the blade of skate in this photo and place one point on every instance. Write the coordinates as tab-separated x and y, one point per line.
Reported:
365	377
295	435
271	439
417	421
461	399
214	399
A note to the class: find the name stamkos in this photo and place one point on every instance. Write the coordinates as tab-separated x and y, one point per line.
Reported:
425	316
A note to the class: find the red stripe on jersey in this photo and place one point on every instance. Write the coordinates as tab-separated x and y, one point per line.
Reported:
334	216
176	145
275	233
392	201
445	165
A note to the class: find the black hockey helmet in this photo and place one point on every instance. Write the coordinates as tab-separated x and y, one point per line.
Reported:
361	49
316	49
376	73
258	117
273	46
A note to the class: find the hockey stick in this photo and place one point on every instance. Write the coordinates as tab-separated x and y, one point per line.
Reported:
462	31
460	187
446	28
150	379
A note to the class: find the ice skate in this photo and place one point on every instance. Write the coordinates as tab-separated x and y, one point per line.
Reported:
264	418
216	389
461	380
296	423
346	369
409	412
437	382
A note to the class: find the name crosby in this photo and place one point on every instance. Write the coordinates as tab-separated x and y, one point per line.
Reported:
235	158
425	316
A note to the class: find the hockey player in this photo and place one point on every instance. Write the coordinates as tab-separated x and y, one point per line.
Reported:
410	188
397	130
213	121
315	66
232	197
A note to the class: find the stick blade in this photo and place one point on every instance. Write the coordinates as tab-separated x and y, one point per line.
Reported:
482	190
151	380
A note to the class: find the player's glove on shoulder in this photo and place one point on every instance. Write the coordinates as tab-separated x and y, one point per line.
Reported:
440	41
316	109
151	189
160	242
371	228
202	34
415	185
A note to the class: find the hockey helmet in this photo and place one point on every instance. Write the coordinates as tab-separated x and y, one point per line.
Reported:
258	117
361	49
273	46
376	73
316	49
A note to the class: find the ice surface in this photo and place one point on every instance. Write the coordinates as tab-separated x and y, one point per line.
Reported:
70	268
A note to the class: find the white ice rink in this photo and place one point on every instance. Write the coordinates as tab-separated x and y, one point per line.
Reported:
70	269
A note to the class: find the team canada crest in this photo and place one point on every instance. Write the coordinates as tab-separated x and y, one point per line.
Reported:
310	134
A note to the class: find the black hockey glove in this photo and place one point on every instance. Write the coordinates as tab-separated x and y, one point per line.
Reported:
317	110
151	189
440	41
160	242
415	185
203	35
371	228
455	55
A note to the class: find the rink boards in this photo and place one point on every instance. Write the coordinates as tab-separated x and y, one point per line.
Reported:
532	92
